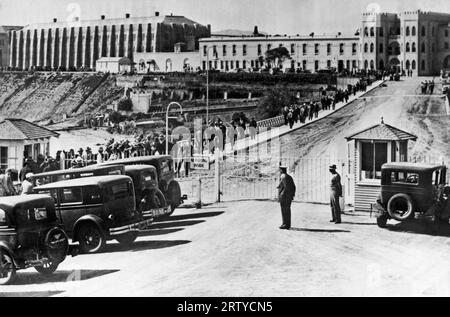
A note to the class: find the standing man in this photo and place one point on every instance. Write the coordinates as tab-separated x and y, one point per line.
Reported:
28	184
286	194
6	184
335	194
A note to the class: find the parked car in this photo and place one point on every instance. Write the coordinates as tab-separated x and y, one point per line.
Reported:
30	236
408	188
94	210
166	176
149	199
89	171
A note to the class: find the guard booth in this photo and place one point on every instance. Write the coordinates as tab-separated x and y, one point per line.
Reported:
368	150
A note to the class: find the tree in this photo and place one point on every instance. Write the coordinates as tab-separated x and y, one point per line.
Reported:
273	102
277	56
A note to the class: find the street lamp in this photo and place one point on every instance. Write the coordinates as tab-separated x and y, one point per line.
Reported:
207	81
167	122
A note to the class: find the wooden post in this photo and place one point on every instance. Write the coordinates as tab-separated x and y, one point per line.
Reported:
199	193
217	176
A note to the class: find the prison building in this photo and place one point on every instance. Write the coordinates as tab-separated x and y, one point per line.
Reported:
79	44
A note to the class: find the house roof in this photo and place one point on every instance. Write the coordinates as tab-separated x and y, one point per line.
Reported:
19	129
120	60
382	132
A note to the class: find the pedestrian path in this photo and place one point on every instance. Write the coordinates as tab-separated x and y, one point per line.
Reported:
275	133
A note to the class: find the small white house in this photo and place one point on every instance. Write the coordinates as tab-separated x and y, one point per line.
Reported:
114	65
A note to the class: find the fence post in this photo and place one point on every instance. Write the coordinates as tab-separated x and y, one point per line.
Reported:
217	176
199	193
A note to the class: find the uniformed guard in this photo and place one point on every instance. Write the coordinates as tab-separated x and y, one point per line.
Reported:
335	194
286	194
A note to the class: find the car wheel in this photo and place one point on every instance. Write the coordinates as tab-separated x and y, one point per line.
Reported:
127	239
7	268
400	207
174	194
47	269
91	239
382	221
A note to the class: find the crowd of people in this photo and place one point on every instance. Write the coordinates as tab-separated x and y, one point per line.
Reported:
310	110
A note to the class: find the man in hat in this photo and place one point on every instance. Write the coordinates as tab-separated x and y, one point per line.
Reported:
28	184
286	193
335	194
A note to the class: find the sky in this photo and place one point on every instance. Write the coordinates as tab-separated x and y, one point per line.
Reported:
271	16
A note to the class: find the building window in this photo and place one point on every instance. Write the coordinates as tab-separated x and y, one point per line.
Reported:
269	47
4	158
231	64
244	64
328	64
381	64
354	46
341	49
413	32
221	65
316	49
446	33
259	49
328	49
215	50
366	48
373	156
234	50
316	65
433	47
304	49
381	32
224	50
407	31
413	65
280	45
204	65
366	31
372	31
408	64
252	63
353	64
244	50
424	33
413	47
381	48
446	45
371	47
215	65
237	64
423	65
432	31
366	64
205	50
423	48
408	47
292	48
226	66
304	65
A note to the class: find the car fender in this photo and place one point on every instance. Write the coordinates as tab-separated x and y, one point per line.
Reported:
6	248
88	218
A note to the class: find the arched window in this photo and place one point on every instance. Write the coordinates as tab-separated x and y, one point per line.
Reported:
407	31
424	33
366	64
366	31
381	48
366	47
372	65
371	47
372	31
381	64
423	64
423	49
413	65
408	47
413	47
413	32
408	64
381	32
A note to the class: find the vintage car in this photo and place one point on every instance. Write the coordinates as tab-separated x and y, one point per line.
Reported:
166	176
408	188
96	209
89	171
150	201
30	236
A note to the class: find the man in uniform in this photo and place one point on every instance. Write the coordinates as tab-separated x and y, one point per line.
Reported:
335	194
286	193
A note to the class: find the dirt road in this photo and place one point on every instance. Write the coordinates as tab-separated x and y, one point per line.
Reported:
236	249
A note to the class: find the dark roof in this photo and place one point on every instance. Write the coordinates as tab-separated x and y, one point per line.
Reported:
382	132
12	201
412	167
178	19
87	181
19	129
87	169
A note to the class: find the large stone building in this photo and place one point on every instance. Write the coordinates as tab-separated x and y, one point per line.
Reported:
79	44
311	53
5	33
419	41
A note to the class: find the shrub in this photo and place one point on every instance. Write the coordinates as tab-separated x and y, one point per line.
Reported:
125	104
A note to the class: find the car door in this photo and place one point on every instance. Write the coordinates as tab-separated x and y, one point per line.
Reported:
71	206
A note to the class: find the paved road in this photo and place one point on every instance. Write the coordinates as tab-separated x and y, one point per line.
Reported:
236	249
